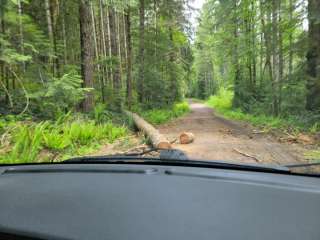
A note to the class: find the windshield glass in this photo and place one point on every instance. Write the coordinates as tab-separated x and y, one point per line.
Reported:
237	81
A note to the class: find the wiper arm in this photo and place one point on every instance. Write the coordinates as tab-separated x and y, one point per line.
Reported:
123	159
302	165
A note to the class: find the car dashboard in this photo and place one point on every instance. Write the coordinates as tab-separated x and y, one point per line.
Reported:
129	201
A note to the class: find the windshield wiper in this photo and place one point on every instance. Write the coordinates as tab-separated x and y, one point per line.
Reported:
302	165
125	159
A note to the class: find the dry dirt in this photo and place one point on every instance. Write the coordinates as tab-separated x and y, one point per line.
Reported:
219	139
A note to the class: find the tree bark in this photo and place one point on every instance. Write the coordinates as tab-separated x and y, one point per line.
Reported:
50	32
21	33
140	89
275	56
95	41
291	9
157	139
117	99
87	52
313	57
235	58
281	58
129	57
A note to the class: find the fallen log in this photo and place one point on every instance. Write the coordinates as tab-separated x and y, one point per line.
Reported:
158	140
186	138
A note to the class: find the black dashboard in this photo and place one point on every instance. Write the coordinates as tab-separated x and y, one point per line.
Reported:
110	201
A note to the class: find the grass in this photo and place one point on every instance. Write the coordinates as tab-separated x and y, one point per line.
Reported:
160	116
313	155
25	142
222	103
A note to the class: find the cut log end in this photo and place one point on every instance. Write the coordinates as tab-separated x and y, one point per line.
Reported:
186	138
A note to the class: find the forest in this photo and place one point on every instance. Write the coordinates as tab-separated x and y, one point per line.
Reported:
68	69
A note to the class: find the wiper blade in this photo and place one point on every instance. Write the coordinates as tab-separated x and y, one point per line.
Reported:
302	165
123	159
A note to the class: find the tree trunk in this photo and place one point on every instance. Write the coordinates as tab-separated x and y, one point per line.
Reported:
110	76
281	58
129	57
118	30
21	32
140	89
235	58
103	39
87	52
275	56
157	139
313	57
291	9
50	32
97	53
117	98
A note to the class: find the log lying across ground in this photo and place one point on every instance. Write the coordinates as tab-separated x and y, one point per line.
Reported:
157	139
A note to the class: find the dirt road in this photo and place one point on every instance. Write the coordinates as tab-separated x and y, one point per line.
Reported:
219	139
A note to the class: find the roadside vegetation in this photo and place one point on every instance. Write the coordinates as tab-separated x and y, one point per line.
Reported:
24	141
222	102
160	116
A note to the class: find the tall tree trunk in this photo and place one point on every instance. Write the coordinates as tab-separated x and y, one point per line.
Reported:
129	57
103	39
313	57
275	56
281	58
97	53
64	37
140	89
4	80
50	34
109	47
117	98
87	52
155	9
235	58
21	32
118	40
291	9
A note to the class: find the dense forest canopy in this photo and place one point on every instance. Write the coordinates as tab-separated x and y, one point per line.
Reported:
59	55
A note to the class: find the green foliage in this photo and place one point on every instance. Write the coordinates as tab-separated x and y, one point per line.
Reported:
159	116
54	140
65	137
59	95
239	44
27	142
313	155
222	100
81	132
222	103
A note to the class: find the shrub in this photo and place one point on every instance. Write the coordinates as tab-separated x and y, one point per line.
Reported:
159	116
81	132
221	101
67	136
54	140
27	142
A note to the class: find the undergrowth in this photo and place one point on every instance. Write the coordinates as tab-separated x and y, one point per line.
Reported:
222	103
159	116
27	141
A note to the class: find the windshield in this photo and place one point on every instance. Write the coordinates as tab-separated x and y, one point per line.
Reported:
236	81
